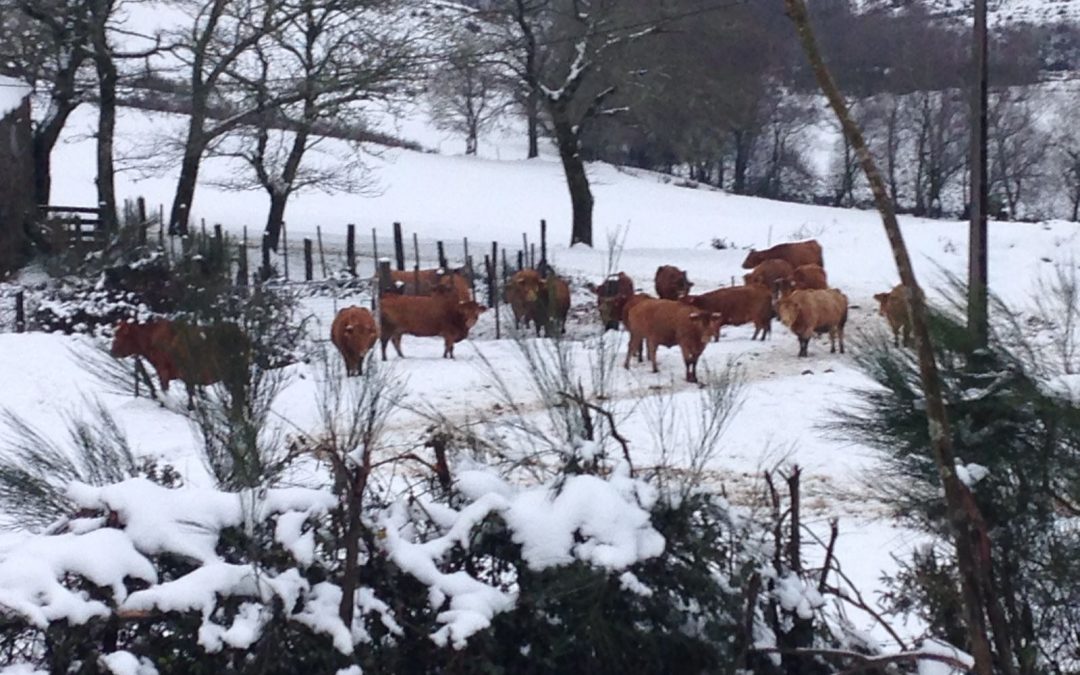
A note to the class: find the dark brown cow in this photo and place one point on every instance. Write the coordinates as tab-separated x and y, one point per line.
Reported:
440	315
196	355
668	323
354	333
738	305
814	311
543	302
671	282
794	253
611	297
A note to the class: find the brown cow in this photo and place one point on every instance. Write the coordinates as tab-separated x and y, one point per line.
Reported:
429	279
795	253
671	282
354	334
738	305
805	277
768	273
611	297
668	323
814	311
896	310
441	314
541	301
196	355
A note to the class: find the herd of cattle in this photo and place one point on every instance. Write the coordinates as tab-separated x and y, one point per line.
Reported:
787	281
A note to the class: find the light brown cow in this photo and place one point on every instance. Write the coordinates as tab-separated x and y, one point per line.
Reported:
543	302
671	282
668	323
611	297
431	278
440	315
895	308
354	334
625	318
814	311
769	273
795	253
738	305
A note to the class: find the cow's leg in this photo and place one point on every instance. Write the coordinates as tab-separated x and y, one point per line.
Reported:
635	345
803	344
840	331
652	346
384	338
396	339
448	347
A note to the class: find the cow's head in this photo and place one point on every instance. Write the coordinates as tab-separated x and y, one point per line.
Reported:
528	283
126	339
708	325
786	310
470	312
883	301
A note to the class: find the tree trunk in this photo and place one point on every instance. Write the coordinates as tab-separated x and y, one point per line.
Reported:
45	138
970	532
532	116
275	217
977	310
742	161
189	170
107	77
1076	206
581	198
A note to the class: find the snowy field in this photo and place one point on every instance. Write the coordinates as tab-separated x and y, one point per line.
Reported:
496	197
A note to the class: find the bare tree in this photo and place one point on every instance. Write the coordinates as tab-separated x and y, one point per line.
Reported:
883	117
467	96
940	147
569	53
1017	149
220	33
311	73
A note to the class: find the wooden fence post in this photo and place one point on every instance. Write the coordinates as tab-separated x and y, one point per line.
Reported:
20	312
521	258
242	266
543	248
495	287
385	284
399	248
442	256
350	249
525	247
264	272
532	256
309	263
322	253
285	249
140	205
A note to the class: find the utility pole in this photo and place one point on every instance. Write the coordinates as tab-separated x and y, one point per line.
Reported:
978	314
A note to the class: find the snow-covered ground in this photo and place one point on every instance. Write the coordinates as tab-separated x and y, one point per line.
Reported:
497	197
